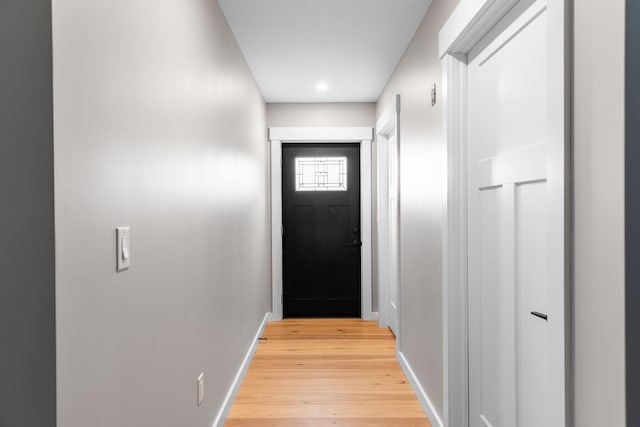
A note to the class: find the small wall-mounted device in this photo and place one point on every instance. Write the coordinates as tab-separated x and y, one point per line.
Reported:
123	248
200	380
433	95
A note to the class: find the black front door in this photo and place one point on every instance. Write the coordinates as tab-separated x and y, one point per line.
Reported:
321	224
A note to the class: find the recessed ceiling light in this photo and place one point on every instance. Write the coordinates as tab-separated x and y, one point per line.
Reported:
322	86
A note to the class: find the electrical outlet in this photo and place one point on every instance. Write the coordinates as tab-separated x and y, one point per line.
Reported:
200	388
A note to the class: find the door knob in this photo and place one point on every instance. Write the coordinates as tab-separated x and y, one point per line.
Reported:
355	243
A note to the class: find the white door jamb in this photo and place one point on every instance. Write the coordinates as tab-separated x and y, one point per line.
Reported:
387	125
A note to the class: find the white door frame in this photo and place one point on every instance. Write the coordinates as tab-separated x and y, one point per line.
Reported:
467	25
333	135
386	126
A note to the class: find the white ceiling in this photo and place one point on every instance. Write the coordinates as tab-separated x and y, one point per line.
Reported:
351	45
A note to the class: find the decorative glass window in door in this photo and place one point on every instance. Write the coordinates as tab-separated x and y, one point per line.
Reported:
321	174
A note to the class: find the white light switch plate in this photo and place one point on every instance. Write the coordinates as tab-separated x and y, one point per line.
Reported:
200	388
123	248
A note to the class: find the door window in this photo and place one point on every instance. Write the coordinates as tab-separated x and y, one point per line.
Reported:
321	174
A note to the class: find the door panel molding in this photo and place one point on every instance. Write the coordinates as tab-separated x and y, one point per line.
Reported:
333	135
467	26
525	165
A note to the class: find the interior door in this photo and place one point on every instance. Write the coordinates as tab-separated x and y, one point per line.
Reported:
516	225
321	230
393	235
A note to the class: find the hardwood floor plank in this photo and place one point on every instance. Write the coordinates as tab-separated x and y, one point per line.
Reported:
326	372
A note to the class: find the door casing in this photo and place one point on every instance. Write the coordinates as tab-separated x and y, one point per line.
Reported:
466	26
632	207
334	135
387	127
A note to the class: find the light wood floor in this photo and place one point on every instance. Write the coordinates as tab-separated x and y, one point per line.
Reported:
321	372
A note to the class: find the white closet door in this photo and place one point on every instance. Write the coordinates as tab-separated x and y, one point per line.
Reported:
515	249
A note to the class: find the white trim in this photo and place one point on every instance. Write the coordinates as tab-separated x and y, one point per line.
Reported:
454	269
386	126
387	122
271	317
469	22
559	91
237	381
320	134
382	224
423	397
365	225
279	136
276	231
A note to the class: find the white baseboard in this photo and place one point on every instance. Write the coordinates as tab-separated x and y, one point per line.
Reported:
237	381
272	317
371	316
423	398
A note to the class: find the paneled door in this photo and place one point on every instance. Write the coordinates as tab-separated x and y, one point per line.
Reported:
516	225
321	230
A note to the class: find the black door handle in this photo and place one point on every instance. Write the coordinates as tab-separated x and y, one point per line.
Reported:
355	243
540	315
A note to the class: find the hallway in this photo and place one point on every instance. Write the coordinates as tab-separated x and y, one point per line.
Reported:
146	244
317	372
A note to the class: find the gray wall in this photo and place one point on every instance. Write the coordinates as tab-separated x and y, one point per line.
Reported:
421	181
321	114
27	283
160	126
599	213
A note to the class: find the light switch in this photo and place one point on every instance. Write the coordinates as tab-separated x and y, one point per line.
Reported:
200	380
123	250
